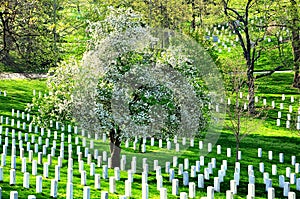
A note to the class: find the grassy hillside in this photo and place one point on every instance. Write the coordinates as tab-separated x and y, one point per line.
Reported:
268	137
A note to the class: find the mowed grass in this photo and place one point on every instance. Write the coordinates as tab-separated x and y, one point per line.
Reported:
266	136
19	93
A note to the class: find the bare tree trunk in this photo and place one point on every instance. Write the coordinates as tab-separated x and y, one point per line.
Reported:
237	148
115	149
251	92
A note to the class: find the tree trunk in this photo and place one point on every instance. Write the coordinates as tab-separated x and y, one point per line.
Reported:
115	149
193	24
295	43
140	145
251	93
237	147
5	39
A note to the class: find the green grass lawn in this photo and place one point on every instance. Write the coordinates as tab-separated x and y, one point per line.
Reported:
266	136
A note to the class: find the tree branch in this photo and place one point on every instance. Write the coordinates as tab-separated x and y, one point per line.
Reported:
268	73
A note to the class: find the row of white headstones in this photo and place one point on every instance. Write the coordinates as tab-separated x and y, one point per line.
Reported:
112	179
225	36
291	111
289	119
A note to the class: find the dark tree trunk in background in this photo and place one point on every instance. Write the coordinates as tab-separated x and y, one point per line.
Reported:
6	40
193	25
236	20
251	91
295	42
140	145
115	149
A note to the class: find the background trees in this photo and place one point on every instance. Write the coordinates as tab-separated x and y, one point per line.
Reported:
25	42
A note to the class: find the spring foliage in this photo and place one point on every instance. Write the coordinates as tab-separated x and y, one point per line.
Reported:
132	78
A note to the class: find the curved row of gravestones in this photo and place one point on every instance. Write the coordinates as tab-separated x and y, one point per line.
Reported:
184	170
289	115
222	34
290	108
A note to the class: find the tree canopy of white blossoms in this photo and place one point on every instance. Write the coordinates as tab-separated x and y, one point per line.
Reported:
136	81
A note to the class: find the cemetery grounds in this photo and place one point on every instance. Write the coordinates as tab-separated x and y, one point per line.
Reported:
15	94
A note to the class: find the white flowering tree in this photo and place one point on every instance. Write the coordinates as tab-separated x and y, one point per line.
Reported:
135	82
57	103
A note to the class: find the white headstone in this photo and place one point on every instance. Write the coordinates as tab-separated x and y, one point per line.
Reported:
228	152
183	195
104	195
200	144
69	194
145	191
175	186
233	186
70	175
251	190
86	192
159	182
38	184
261	167
271	193
210	192
185	178
83	178
206	173
200	181
128	189
287	172
298	184
46	170
293	160
53	190
268	183
202	163
286	189
112	184
292	178
281	181
104	172
274	169
281	158
186	163
57	172
229	194
209	147
216	184
270	155
13	195
34	167
97	181
26	180
291	195
12	177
